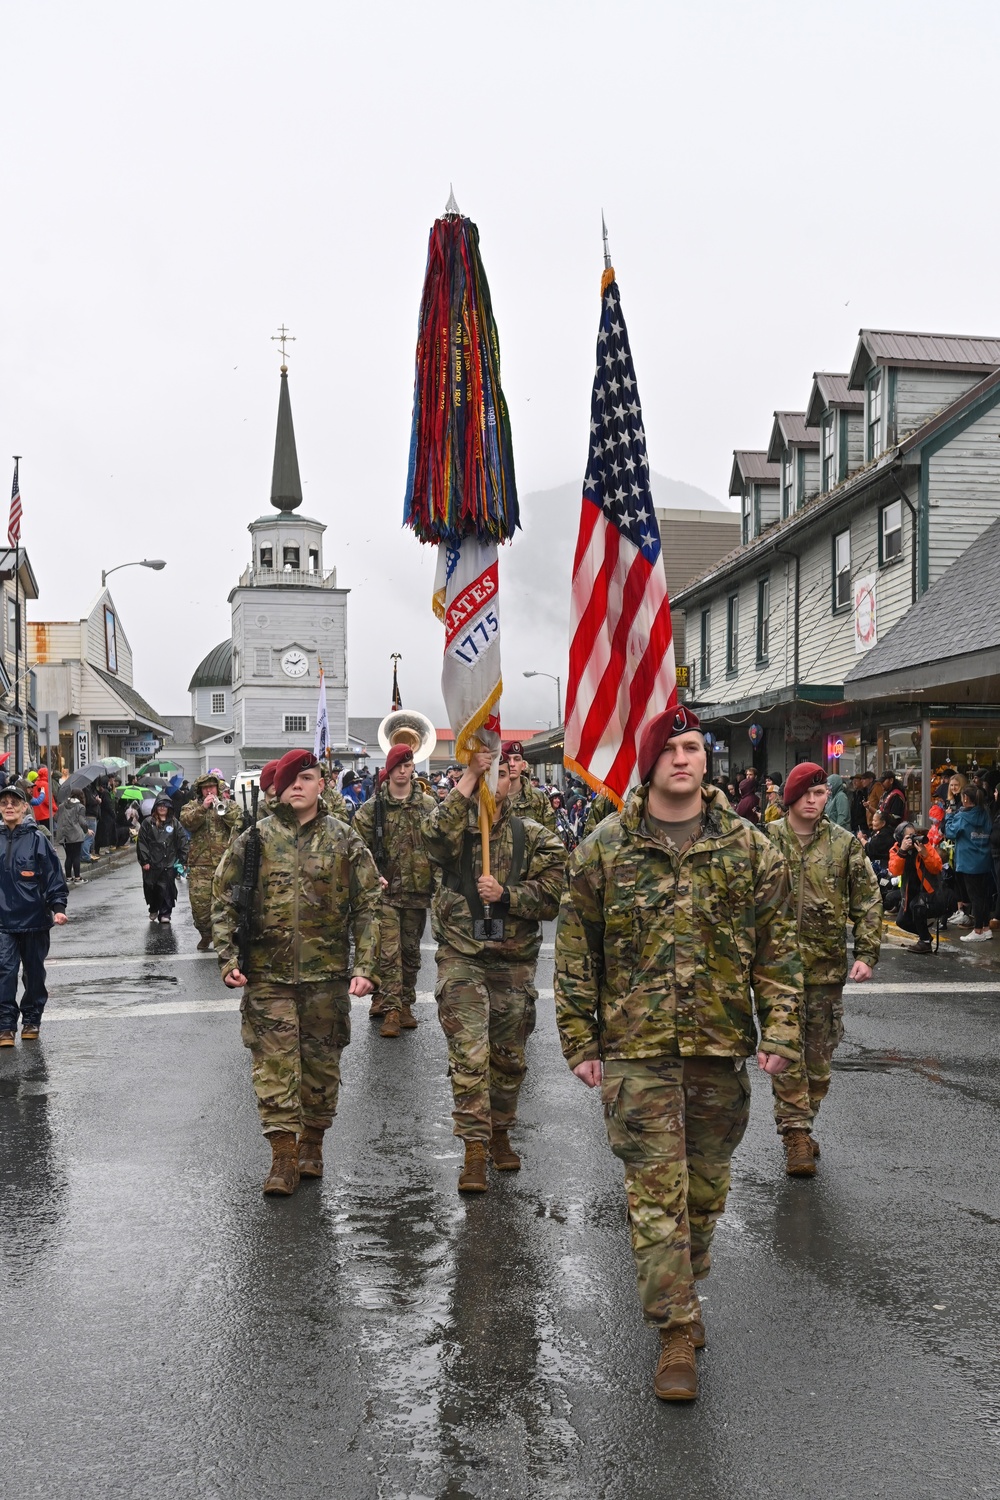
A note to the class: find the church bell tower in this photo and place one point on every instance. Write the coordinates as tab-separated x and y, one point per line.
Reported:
288	615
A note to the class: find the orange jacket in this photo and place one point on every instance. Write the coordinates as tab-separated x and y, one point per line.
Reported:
925	866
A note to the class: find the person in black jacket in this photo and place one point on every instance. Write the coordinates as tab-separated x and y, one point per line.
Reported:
33	895
162	842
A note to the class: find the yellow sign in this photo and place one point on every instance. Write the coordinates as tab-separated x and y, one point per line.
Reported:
684	677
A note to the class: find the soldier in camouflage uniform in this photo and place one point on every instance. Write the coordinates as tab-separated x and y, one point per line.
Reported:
832	883
210	832
407	883
526	801
317	885
485	990
671	913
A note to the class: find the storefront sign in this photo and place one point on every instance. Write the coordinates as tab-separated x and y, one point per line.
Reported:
801	728
140	747
114	730
865	621
82	748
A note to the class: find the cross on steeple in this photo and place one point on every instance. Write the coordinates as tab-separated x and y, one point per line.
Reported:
283	337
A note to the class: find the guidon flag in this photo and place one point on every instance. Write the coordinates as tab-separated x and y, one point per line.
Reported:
621	654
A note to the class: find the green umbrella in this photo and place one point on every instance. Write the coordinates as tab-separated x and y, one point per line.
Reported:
132	793
166	768
114	762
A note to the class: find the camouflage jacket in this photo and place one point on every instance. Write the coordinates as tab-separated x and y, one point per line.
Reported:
832	884
533	900
406	865
656	951
527	801
210	834
317	885
334	803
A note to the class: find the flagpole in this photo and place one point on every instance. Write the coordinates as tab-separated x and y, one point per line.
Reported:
18	743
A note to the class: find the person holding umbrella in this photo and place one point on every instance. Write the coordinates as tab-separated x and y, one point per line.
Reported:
162	843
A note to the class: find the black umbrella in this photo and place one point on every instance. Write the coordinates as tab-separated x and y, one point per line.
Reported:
77	780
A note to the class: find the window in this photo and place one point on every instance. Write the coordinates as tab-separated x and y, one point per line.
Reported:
732	633
830	475
874	447
314	559
800	477
747	513
763	618
787	484
262	661
290	559
236	666
267	557
890	532
218	703
13	632
705	663
296	723
842	570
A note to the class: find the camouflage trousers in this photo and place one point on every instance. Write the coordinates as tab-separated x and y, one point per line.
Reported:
200	891
675	1123
400	931
801	1088
296	1033
487	1013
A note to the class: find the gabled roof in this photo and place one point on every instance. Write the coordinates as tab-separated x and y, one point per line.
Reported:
790	431
751	464
973	354
132	700
959	613
830	393
216	670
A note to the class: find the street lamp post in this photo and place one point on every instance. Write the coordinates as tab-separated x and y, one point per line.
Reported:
558	682
146	562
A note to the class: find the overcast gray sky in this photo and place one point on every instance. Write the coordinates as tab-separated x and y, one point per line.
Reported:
179	180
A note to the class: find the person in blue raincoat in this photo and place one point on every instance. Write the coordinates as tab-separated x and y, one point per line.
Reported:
33	896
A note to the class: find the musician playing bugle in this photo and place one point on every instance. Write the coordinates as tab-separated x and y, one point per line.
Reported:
211	820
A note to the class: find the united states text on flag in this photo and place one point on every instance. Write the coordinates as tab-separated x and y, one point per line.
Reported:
621	655
14	524
466	599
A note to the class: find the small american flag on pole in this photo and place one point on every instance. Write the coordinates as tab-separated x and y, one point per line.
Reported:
621	655
14	524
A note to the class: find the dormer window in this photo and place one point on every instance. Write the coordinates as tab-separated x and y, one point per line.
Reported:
828	450
267	557
290	559
787	483
747	513
874	429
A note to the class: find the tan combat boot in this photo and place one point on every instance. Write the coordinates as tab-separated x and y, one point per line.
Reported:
204	943
800	1159
505	1158
676	1377
378	1006
283	1177
311	1152
473	1176
390	1026
407	1019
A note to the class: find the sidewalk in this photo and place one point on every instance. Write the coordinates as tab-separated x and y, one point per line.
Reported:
985	955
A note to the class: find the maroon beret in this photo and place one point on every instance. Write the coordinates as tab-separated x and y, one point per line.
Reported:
660	729
512	747
397	755
800	779
288	768
267	775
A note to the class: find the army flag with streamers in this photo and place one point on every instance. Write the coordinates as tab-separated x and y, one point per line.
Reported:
467	602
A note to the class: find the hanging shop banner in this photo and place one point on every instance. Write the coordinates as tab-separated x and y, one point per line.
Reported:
865	619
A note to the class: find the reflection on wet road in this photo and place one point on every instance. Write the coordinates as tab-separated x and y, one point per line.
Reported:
169	1333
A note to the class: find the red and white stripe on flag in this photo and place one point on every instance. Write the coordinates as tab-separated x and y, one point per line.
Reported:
467	601
14	524
621	659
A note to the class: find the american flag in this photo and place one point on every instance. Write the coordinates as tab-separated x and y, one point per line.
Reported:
621	655
14	524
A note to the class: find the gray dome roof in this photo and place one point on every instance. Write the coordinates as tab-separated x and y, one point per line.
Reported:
216	670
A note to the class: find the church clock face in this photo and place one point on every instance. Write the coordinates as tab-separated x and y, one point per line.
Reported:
294	663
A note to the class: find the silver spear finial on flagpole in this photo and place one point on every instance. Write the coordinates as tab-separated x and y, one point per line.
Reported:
607	252
451	208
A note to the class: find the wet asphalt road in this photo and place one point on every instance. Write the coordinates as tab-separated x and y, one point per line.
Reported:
168	1332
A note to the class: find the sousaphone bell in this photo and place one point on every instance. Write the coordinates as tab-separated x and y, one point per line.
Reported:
407	727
